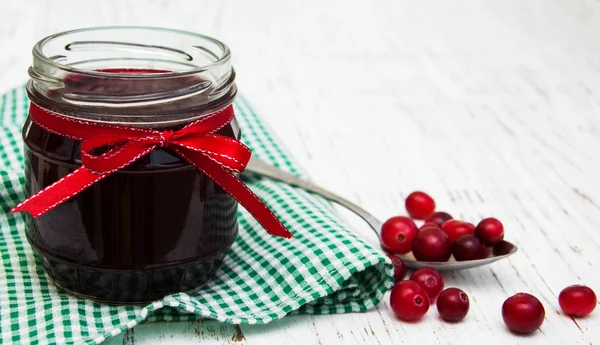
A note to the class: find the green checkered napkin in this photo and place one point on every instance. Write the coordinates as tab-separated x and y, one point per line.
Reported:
325	269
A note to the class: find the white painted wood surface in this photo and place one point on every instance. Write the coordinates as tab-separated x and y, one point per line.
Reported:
492	107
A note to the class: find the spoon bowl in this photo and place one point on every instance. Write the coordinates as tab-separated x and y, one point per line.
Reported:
501	251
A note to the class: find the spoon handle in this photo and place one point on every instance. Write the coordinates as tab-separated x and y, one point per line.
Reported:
260	167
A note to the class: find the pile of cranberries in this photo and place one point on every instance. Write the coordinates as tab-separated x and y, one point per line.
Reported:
411	299
441	237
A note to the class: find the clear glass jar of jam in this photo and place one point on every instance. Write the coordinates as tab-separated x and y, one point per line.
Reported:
158	226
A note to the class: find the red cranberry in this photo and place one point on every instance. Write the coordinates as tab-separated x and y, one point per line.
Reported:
419	205
399	268
456	229
438	218
432	244
430	280
468	247
397	234
453	304
490	231
523	313
429	225
577	300
409	301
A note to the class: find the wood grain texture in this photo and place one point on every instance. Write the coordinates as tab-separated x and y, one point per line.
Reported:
492	107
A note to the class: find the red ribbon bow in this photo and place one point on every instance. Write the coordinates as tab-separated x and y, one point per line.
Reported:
215	155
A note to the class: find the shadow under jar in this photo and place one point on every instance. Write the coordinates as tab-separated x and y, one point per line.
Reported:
158	226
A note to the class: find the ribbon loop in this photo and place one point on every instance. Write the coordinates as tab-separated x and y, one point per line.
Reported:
215	155
120	154
230	153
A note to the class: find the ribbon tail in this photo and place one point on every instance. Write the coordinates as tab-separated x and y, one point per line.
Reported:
58	192
238	190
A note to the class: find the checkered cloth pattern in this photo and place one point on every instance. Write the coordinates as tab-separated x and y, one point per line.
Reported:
324	269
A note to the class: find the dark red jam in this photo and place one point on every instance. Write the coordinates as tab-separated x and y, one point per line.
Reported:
154	228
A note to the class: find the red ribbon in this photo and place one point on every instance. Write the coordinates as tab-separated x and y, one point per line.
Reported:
215	155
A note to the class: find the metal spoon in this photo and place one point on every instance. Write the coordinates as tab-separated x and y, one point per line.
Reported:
257	166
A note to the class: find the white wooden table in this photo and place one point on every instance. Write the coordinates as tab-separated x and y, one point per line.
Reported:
492	107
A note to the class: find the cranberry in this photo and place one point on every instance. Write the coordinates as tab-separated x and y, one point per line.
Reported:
577	300
456	229
409	301
503	248
419	205
453	304
438	218
399	268
523	313
432	244
430	280
429	225
490	231
468	247
397	234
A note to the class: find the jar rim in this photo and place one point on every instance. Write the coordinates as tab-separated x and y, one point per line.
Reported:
224	57
90	73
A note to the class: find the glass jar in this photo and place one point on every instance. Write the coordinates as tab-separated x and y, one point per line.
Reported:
158	226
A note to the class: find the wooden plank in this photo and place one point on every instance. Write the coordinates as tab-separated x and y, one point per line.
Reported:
490	106
162	333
